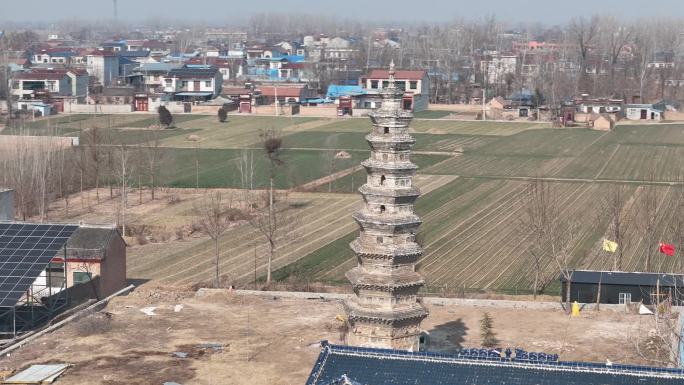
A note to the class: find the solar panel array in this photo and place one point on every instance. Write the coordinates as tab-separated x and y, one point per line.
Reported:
25	250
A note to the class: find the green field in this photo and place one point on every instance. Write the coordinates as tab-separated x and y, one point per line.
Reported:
471	226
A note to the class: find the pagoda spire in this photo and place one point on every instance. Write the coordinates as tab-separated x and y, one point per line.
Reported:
385	311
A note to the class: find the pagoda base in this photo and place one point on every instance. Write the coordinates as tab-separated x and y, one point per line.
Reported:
386	329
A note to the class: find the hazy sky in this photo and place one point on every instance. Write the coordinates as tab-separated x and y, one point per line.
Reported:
546	11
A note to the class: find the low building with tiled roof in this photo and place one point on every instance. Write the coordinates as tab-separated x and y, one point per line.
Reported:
353	365
193	82
414	83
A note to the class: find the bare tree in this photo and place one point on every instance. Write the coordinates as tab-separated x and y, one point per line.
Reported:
583	33
269	224
94	138
647	221
215	216
552	235
613	207
153	157
123	157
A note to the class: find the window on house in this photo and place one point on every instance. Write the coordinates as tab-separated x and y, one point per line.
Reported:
382	180
155	77
366	105
378	239
207	83
625	298
413	85
374	84
382	209
386	130
82	277
184	84
168	82
385	83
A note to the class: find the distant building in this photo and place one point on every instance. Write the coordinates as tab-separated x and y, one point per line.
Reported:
54	82
6	205
193	82
617	287
414	83
104	65
290	93
642	112
602	122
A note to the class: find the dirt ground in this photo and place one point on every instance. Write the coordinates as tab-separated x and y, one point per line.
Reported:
269	341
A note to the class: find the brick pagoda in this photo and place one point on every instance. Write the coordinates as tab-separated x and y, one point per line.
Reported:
385	312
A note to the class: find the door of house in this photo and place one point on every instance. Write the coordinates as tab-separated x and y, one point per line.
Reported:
141	105
644	114
187	108
196	86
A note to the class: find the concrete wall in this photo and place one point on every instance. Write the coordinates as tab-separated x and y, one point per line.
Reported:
74	108
473	108
6	205
673	115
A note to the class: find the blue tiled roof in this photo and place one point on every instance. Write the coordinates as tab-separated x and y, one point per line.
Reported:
335	91
392	367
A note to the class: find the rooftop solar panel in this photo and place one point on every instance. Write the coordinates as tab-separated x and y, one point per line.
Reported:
25	251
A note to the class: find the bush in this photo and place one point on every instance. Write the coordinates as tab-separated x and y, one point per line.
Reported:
487	336
94	323
222	115
165	117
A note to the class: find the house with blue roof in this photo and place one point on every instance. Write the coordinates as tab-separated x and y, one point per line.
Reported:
348	365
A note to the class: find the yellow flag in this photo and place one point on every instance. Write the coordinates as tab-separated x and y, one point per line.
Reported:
609	245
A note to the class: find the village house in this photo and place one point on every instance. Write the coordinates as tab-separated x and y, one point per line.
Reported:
233	67
53	82
414	83
54	56
103	65
642	112
149	77
286	94
598	105
602	122
193	82
95	259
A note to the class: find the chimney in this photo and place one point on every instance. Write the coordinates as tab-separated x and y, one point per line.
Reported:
6	205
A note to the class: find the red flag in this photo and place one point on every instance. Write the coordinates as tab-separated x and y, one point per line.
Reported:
667	249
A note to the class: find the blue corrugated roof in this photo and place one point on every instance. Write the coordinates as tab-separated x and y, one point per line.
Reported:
289	58
394	367
335	91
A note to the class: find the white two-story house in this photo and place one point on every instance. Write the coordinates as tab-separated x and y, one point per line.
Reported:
193	82
58	83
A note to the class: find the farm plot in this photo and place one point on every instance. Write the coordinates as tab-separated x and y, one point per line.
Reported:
644	163
662	134
635	245
473	164
218	168
238	132
435	126
313	220
548	142
357	141
470	236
